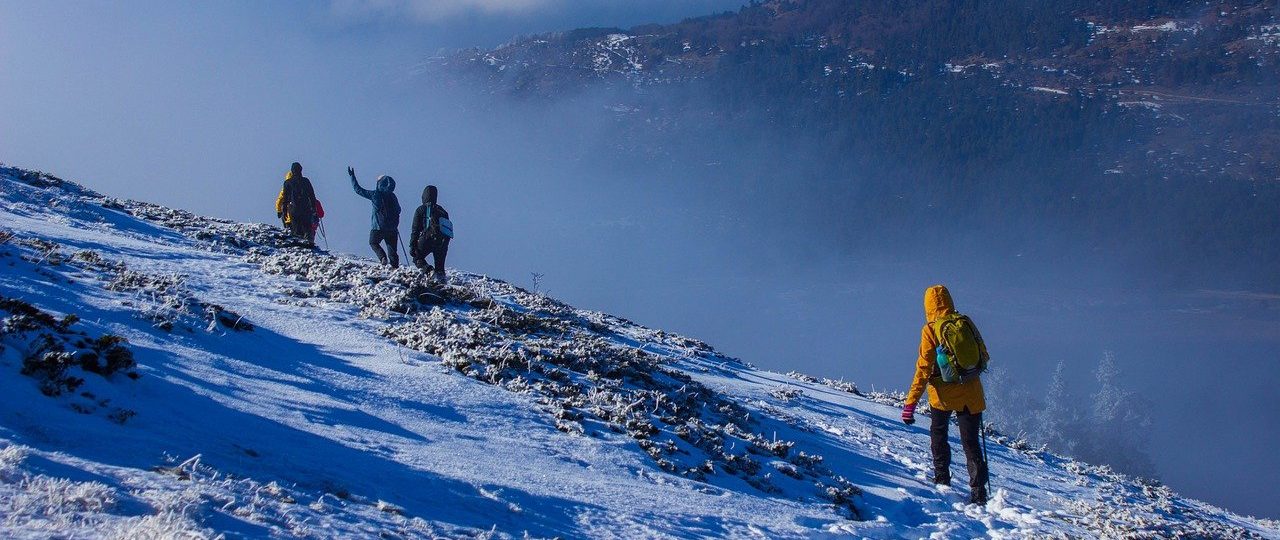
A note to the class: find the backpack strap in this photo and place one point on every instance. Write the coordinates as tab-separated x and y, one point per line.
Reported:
936	326
982	345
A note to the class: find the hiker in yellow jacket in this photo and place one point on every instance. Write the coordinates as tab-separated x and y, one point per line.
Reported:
965	399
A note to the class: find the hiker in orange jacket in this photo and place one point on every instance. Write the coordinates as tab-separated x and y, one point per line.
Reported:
965	399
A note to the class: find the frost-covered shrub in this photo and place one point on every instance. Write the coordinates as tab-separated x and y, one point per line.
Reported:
24	317
60	357
43	495
162	297
109	356
49	369
802	377
169	524
893	399
165	300
226	318
11	460
42	252
50	361
842	385
786	393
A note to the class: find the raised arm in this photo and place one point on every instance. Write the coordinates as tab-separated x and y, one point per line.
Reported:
355	184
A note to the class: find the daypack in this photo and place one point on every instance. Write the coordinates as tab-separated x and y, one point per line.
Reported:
437	226
960	354
300	200
445	227
387	209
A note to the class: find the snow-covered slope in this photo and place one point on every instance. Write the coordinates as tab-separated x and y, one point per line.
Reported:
279	392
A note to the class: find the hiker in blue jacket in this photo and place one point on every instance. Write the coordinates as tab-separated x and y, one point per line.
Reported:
385	227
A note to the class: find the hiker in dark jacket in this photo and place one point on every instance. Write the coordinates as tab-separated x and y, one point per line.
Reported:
427	237
296	206
385	227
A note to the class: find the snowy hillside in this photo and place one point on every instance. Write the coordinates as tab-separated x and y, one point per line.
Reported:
262	390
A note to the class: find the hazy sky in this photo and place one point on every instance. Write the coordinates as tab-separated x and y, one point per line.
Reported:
204	105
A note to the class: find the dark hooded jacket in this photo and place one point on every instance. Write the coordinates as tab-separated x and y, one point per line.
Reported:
297	197
422	235
386	207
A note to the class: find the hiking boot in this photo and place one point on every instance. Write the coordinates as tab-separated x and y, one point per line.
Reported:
978	497
940	480
439	276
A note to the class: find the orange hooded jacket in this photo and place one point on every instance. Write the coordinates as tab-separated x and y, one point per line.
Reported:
280	208
948	397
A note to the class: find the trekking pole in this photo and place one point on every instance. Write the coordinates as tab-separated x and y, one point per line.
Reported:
402	250
324	236
986	462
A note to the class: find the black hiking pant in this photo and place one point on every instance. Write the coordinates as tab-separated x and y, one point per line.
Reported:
438	251
378	237
969	438
302	228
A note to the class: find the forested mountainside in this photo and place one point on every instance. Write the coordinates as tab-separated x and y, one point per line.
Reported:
1075	115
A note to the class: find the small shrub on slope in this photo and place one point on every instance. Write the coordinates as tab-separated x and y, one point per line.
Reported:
58	357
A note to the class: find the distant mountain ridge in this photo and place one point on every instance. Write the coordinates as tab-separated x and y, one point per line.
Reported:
1159	62
1096	46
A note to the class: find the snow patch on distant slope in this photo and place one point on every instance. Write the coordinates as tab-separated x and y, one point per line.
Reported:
1049	90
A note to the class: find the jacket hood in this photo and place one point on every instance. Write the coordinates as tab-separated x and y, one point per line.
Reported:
937	302
386	183
429	195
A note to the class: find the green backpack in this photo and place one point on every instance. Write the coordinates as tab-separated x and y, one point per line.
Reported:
961	355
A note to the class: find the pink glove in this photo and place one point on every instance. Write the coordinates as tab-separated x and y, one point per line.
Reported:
909	414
